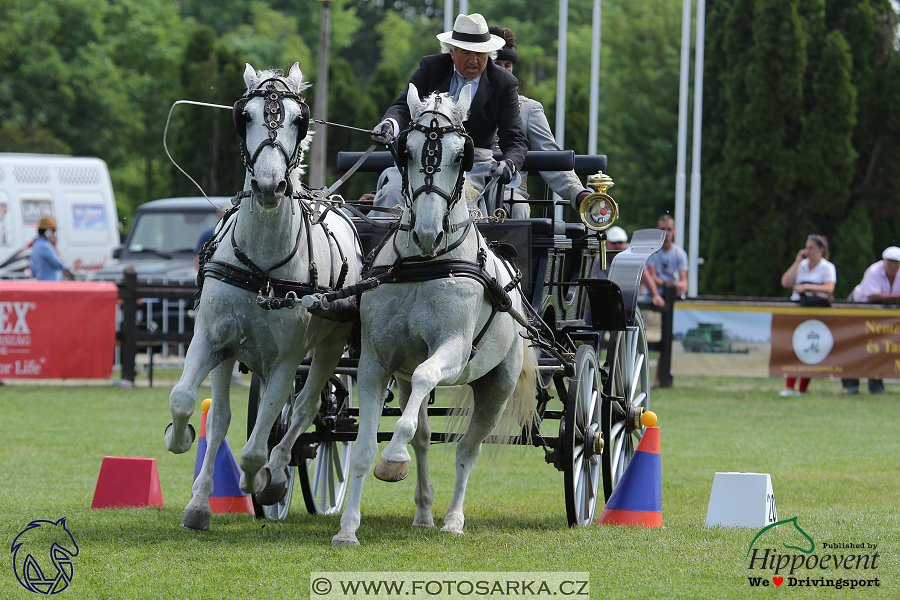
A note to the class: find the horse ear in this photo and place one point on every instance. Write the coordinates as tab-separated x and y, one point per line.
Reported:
465	100
250	77
413	101
295	75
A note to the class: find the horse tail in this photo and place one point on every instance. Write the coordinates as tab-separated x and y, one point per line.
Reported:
521	409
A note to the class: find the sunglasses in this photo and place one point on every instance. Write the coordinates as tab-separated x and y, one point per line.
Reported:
665	228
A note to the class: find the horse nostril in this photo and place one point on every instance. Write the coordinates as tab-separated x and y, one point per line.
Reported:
280	188
438	238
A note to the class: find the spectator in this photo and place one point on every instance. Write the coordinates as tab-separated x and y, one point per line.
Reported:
668	264
616	239
812	279
46	262
880	285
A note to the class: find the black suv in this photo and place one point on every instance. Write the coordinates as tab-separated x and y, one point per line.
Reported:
160	248
160	245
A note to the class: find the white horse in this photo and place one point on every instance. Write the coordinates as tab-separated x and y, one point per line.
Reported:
440	331
269	253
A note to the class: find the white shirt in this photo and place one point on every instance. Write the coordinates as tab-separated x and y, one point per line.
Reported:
823	272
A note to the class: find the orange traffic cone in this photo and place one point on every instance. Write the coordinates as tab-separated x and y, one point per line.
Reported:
637	499
227	495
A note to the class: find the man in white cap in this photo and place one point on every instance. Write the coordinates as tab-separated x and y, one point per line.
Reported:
466	61
616	239
880	285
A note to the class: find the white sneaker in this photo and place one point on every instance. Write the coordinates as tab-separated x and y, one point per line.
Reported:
786	392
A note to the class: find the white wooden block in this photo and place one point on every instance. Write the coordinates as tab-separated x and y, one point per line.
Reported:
741	500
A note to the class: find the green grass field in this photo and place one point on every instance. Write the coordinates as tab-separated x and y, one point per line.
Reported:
834	461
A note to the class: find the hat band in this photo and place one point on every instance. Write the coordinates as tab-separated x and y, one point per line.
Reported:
471	37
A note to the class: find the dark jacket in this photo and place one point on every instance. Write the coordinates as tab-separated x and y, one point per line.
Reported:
495	106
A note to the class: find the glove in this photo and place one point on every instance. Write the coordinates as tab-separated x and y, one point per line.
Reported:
383	133
504	171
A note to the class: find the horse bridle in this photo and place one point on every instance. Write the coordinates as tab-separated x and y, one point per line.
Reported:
274	114
432	153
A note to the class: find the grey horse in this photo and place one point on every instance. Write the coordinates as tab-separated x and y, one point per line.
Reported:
271	233
424	333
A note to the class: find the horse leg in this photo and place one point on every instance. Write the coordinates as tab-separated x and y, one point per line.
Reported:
491	394
372	381
200	360
197	513
421	442
306	406
276	391
444	365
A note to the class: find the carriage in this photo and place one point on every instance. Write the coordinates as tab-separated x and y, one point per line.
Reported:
535	300
592	332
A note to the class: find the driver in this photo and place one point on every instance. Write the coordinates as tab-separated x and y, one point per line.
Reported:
466	59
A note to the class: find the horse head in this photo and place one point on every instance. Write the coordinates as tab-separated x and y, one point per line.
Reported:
436	150
272	121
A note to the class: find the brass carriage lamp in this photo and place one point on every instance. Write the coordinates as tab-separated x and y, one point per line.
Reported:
598	210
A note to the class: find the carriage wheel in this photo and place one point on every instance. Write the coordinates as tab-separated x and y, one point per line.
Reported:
325	479
279	510
627	395
581	438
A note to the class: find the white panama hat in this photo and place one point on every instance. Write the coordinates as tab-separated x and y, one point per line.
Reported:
470	32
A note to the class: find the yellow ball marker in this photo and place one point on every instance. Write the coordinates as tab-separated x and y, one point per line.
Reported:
204	406
648	419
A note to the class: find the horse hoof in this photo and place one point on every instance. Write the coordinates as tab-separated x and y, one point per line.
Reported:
272	493
452	531
391	470
170	442
344	540
195	520
429	524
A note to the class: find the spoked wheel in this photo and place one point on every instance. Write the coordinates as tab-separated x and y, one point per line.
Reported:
279	510
325	477
582	441
627	396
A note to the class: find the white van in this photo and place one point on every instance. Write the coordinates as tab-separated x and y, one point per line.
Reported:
76	191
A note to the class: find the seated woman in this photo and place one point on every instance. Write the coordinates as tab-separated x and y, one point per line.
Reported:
812	278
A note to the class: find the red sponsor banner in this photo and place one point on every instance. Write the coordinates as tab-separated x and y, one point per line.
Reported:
57	330
843	343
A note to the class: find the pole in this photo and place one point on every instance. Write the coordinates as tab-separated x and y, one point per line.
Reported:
463	7
320	140
680	178
595	79
561	85
694	249
448	15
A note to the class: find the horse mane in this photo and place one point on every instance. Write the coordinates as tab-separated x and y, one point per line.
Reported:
295	84
458	114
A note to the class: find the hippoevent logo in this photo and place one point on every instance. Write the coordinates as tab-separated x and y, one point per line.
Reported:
42	556
834	564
